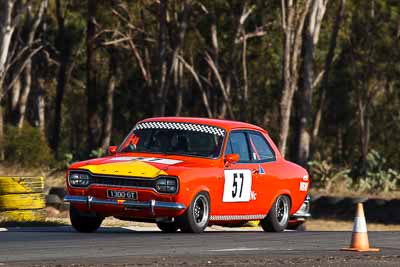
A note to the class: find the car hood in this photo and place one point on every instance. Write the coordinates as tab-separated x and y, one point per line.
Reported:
142	166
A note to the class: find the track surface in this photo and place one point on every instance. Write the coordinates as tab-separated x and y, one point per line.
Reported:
61	246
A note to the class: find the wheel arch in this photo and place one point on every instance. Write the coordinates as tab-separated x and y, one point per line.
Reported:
285	192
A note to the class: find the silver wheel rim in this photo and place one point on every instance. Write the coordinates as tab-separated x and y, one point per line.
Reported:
282	210
200	210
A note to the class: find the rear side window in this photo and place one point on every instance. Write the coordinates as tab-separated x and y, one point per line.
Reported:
260	148
237	144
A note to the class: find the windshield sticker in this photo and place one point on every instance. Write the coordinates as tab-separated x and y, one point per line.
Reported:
155	160
180	126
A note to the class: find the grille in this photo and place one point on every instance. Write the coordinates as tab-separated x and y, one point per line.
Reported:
118	181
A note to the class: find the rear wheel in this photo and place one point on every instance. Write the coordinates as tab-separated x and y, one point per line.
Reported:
195	219
278	216
84	222
168	227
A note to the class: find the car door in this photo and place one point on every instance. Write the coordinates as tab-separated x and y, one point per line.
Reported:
237	198
267	183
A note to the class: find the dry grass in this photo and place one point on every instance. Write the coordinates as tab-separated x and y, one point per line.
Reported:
332	225
347	193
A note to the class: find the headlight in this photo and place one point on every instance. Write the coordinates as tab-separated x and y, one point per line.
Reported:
79	179
167	185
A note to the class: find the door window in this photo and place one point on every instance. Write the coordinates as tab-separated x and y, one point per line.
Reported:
237	144
261	151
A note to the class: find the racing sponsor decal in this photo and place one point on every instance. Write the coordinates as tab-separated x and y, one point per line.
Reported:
261	169
303	186
237	187
155	160
253	195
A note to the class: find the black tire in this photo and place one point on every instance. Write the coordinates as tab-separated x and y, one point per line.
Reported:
168	227
84	223
278	216
196	217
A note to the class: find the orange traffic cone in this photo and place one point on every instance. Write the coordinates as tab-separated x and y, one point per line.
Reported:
359	237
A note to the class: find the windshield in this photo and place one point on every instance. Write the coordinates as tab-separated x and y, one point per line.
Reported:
175	138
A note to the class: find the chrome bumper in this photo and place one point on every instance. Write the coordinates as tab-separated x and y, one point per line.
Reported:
304	211
152	204
301	215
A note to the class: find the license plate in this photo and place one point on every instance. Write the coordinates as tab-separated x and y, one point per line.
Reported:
122	194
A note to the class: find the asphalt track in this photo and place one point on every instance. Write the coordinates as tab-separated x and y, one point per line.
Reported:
114	246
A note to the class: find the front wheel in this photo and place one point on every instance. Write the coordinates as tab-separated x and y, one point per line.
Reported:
196	217
85	223
278	216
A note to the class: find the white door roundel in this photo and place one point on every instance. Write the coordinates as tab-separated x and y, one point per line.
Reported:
237	186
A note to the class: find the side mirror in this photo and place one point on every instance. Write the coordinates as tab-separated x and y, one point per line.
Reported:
232	158
112	150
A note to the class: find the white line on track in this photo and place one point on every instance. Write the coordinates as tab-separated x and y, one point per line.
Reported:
3	229
244	249
239	249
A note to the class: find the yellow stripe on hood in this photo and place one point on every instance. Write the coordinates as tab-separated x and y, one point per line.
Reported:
126	168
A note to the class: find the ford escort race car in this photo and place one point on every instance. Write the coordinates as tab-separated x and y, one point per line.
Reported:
188	173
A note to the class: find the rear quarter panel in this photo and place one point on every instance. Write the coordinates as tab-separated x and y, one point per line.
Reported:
289	178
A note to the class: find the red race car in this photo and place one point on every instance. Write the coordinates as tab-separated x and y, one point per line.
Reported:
188	173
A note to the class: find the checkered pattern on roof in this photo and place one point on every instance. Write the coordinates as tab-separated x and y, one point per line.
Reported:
180	126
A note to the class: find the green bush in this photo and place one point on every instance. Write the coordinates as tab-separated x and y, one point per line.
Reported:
326	175
26	147
378	178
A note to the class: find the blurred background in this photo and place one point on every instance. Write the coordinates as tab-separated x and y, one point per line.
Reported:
323	77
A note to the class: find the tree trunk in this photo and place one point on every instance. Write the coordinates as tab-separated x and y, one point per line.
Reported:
328	63
64	50
41	108
109	107
204	95
315	18
32	22
293	17
27	83
178	77
6	31
93	120
245	99
15	95
363	116
162	58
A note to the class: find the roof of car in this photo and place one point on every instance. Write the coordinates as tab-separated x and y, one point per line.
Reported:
226	124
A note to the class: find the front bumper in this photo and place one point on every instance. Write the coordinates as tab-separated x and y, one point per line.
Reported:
138	205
